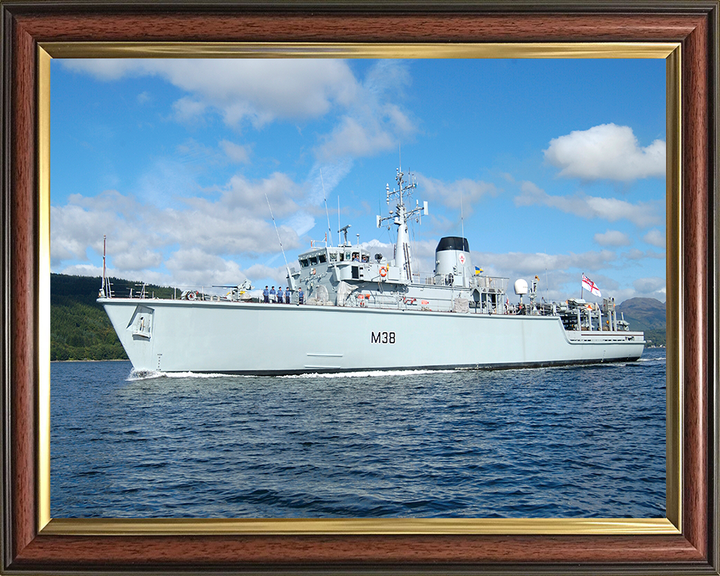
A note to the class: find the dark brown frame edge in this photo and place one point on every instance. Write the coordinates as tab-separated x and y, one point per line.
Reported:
24	24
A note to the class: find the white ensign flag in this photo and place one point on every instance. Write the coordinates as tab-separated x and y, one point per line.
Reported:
590	285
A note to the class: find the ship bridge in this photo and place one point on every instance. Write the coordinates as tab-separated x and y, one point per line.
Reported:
349	275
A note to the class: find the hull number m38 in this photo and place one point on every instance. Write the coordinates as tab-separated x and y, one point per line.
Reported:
382	338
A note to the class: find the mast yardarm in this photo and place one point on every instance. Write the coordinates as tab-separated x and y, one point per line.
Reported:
400	216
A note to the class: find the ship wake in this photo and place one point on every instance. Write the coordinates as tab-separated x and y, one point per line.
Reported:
136	375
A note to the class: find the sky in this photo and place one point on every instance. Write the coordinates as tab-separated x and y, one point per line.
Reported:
197	171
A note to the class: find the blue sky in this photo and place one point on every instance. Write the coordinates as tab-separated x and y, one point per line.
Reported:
551	167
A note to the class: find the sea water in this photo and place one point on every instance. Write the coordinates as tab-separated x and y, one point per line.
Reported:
574	442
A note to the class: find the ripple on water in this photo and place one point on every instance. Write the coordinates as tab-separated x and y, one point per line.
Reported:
545	442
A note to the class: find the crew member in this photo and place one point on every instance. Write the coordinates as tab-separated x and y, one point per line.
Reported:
300	296
279	295
266	295
272	294
287	294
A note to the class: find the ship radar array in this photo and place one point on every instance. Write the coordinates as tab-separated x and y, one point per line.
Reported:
402	191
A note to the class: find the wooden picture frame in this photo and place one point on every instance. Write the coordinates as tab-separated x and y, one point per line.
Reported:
31	544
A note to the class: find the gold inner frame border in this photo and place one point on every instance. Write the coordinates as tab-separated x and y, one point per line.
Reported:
671	524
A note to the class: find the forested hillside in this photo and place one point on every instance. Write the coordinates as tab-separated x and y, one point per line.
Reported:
79	327
648	315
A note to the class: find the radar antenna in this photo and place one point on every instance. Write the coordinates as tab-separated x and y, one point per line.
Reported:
344	230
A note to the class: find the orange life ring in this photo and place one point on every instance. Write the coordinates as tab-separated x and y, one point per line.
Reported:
383	271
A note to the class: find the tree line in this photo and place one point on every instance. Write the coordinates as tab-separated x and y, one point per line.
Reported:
79	327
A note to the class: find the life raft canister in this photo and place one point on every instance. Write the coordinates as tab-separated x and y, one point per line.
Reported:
191	296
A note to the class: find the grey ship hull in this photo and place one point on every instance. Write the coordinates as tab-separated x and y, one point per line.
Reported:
252	338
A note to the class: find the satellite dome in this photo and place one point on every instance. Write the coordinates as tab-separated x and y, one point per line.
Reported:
521	287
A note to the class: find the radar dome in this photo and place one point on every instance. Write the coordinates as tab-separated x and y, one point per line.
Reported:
521	287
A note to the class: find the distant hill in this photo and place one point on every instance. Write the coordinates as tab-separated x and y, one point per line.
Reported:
79	327
648	315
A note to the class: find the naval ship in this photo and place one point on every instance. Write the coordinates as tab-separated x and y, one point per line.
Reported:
351	310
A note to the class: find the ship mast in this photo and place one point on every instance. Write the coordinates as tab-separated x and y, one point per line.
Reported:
400	217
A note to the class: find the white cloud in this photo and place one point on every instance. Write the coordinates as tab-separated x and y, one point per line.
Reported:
195	267
653	287
106	69
79	226
277	190
138	260
606	152
612	238
400	121
649	284
278	274
642	214
519	264
353	138
325	176
235	152
636	254
188	110
88	270
372	124
195	238
167	179
559	274
655	237
423	256
463	192
254	90
300	222
259	91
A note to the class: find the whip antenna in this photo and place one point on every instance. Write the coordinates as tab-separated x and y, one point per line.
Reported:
327	214
287	267
103	289
462	217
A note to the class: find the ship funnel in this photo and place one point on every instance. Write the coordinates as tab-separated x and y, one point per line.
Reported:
452	262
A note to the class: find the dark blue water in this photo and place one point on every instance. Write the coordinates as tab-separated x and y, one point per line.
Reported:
556	442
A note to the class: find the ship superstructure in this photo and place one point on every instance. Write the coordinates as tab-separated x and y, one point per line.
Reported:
354	310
